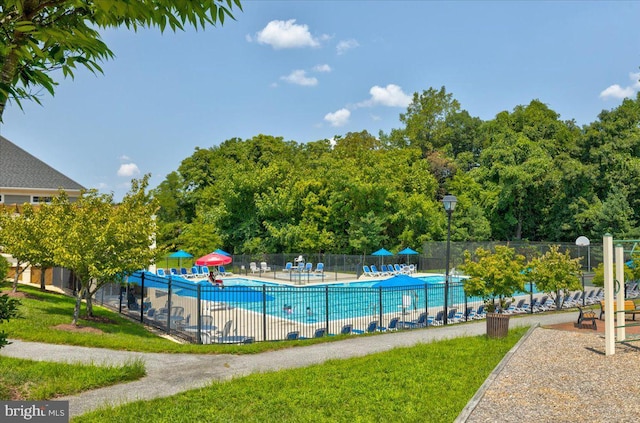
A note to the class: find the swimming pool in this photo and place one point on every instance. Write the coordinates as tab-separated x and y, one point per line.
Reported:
343	301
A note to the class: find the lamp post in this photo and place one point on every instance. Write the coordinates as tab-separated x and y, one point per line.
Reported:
449	202
583	241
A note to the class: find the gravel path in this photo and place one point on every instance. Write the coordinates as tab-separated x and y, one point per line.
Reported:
562	376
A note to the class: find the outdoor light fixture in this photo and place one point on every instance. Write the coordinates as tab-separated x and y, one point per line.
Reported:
449	202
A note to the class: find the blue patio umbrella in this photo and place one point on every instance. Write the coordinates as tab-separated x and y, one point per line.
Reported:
382	252
223	252
180	254
407	252
399	281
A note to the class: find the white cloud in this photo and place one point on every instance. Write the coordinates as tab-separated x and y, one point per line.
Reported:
391	96
345	45
128	170
616	91
322	68
338	118
299	77
286	34
125	158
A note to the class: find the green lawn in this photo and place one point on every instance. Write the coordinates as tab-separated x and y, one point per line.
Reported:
38	380
429	382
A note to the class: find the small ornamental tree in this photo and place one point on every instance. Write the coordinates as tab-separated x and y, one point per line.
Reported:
494	276
555	271
598	277
20	237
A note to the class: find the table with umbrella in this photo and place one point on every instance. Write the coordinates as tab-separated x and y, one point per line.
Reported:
180	254
214	259
382	253
407	252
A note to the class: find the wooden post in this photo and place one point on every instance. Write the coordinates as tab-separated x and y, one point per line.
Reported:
609	335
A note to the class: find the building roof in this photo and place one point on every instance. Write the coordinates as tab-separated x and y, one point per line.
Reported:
19	169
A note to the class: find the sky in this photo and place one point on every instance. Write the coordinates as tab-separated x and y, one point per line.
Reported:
312	70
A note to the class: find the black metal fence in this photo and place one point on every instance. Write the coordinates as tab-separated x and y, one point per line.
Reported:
203	313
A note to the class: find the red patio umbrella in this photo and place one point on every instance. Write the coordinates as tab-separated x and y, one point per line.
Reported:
213	259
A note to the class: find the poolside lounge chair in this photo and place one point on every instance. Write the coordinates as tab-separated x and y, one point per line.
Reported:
173	271
254	267
319	333
195	272
308	267
204	271
226	329
319	268
451	316
287	267
376	272
160	272
223	272
184	273
400	270
292	336
346	330
393	325
366	271
438	320
480	314
420	322
264	267
372	327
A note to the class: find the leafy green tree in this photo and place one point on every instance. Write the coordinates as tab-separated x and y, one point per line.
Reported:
494	275
21	236
39	37
554	272
8	310
598	277
99	240
426	121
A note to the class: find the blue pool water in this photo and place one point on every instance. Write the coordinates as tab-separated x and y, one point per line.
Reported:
310	304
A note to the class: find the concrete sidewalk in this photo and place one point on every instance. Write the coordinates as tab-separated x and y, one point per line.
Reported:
189	371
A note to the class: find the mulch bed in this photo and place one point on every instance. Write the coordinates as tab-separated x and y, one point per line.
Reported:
570	326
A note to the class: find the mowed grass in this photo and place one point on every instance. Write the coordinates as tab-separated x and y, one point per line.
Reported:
37	380
427	383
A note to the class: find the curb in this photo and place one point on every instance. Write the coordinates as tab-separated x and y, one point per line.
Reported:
473	402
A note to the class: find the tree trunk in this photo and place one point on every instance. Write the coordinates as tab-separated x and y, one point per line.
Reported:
42	278
19	271
89	303
76	310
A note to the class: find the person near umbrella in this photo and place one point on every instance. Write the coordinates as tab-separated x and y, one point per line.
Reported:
216	280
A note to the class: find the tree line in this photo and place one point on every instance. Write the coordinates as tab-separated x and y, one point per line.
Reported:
524	175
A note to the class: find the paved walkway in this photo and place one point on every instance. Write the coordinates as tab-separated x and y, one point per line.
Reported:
196	370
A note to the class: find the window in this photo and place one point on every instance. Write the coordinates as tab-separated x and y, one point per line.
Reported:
39	199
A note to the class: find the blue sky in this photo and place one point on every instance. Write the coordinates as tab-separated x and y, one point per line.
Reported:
310	70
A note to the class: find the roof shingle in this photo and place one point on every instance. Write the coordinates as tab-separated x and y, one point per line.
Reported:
19	169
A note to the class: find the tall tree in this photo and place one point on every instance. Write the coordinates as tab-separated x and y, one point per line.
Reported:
41	36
